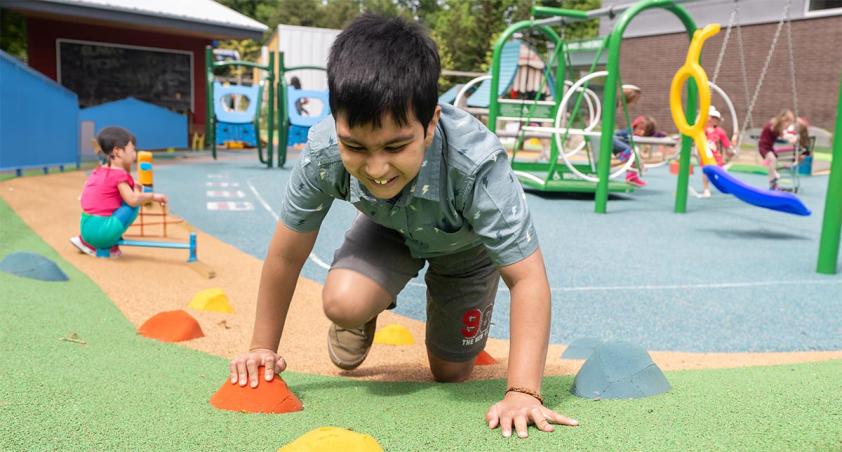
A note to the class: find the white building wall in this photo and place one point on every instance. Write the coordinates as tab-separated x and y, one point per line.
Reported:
306	46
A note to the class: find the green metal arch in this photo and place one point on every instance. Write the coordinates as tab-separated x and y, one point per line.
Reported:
610	98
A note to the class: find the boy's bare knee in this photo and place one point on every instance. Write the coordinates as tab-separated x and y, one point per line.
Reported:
342	310
450	372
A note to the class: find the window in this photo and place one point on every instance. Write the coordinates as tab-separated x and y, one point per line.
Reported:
820	5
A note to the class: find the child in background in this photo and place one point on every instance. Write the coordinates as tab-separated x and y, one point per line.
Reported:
632	94
797	134
110	198
433	187
773	131
295	82
718	144
642	126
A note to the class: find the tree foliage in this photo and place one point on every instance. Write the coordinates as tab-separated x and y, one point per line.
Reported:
465	30
13	34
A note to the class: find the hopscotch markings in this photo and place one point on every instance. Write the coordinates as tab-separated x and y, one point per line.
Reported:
231	206
223	184
216	192
225	194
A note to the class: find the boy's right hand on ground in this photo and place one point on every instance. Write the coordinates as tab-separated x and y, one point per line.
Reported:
244	368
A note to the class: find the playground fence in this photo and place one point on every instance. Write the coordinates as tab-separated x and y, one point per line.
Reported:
39	119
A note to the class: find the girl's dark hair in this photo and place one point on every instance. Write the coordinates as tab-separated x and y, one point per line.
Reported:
110	138
381	65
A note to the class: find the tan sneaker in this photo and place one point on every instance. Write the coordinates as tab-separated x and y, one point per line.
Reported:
348	348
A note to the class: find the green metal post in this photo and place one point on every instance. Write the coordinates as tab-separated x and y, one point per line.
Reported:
270	119
832	221
560	77
609	99
493	106
283	114
257	126
686	150
547	11
210	117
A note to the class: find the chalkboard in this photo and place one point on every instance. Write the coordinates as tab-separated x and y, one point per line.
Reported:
100	73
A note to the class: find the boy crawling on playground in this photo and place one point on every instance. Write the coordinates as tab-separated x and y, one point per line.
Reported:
433	185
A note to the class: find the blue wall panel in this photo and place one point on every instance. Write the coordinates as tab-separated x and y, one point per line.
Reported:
39	119
155	127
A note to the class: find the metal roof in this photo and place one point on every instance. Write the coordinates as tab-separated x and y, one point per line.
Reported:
202	17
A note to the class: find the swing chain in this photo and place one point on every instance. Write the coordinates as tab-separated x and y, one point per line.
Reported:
743	70
766	66
725	43
792	68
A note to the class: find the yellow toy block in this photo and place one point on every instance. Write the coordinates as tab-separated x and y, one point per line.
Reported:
211	300
393	335
329	439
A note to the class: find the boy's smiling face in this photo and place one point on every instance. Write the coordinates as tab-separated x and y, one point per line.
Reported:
387	158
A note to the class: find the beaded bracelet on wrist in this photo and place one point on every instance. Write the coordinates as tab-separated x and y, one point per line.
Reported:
527	392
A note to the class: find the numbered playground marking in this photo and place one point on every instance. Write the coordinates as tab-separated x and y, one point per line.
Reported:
223	184
232	206
225	194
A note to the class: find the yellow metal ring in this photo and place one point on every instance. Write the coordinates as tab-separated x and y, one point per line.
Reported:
692	69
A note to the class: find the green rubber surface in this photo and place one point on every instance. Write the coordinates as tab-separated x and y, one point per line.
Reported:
121	391
748	168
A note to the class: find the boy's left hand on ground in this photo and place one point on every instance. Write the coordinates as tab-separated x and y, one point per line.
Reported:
521	410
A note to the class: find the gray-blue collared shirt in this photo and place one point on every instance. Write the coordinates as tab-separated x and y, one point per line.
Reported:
464	195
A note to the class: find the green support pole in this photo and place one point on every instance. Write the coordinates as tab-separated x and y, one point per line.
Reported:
270	81
210	117
493	107
257	127
283	114
610	96
606	139
560	77
832	221
686	151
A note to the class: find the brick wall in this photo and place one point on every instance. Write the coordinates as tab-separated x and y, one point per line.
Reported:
650	62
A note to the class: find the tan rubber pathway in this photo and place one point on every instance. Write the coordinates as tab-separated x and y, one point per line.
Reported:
146	281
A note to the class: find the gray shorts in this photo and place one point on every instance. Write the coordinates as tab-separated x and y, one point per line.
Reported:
461	287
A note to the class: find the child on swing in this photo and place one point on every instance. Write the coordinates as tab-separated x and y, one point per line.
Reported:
640	127
774	130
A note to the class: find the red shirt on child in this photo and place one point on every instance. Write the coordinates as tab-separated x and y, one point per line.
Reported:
717	142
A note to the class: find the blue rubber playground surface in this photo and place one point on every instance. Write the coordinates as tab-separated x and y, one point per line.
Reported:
724	277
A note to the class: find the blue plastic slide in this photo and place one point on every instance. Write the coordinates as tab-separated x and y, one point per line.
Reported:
508	68
768	199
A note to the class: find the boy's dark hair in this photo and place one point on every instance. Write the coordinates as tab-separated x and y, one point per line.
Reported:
110	138
380	65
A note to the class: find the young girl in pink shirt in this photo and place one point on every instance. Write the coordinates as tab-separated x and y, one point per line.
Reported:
110	199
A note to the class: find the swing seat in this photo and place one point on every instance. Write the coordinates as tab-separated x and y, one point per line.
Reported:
768	199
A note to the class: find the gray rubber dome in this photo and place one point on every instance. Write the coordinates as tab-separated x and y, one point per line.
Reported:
31	265
619	370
